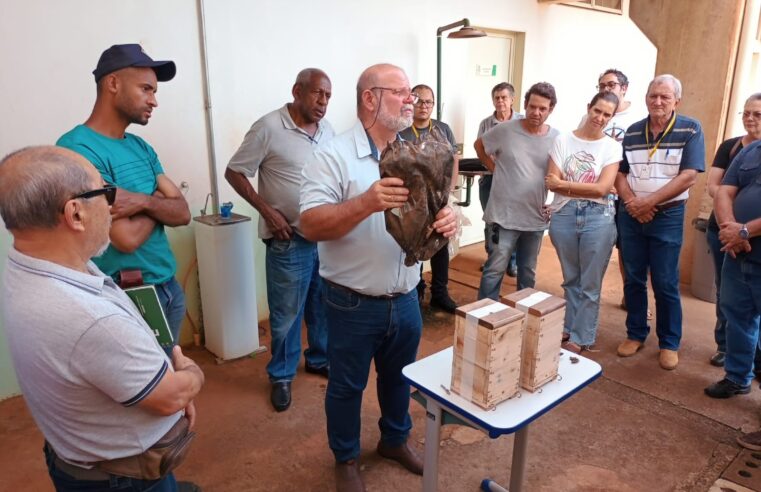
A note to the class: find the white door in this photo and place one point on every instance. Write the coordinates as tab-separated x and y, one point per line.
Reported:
470	69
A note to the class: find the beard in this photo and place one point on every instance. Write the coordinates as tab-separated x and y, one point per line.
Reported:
396	123
102	249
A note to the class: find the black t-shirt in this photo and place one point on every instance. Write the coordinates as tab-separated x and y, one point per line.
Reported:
724	154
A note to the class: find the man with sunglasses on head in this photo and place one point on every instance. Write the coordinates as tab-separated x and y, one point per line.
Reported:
615	81
277	146
370	297
146	199
95	379
422	124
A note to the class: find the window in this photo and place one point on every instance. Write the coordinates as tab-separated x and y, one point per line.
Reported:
612	6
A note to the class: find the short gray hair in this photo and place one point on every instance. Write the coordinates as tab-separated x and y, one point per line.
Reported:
36	182
667	78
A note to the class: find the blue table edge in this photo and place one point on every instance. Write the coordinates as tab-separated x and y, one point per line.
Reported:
495	432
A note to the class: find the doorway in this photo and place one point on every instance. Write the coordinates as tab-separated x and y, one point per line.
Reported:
470	69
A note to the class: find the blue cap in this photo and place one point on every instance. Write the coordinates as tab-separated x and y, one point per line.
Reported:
121	56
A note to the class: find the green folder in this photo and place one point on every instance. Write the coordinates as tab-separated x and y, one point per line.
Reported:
146	299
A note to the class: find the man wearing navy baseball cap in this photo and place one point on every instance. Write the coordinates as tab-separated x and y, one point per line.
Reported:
146	199
121	56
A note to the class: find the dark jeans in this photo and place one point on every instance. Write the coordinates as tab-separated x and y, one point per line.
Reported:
439	275
720	329
484	190
66	483
653	246
361	330
741	304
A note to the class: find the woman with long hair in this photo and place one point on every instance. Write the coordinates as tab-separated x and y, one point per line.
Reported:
582	168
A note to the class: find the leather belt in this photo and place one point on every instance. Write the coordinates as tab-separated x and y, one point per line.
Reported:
668	205
383	297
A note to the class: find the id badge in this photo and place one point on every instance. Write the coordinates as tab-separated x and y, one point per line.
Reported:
645	172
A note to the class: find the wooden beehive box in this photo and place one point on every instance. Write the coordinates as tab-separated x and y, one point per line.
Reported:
542	333
487	352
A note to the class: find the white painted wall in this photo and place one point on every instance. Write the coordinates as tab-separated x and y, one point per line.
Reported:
48	50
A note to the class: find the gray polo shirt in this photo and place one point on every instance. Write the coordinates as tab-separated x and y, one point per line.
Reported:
491	121
84	358
278	149
367	259
518	192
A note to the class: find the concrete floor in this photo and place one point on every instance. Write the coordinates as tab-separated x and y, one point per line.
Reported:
637	428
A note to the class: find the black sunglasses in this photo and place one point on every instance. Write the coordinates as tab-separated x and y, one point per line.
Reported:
109	191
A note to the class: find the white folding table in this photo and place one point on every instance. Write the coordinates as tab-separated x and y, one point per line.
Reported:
432	377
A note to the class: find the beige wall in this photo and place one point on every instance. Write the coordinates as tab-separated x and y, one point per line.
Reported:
684	32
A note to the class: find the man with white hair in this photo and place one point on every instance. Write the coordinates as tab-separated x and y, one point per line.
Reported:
663	155
370	295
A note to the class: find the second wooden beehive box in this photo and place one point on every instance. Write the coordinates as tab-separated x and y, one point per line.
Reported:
543	330
487	352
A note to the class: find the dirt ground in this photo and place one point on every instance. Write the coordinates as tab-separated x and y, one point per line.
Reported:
637	428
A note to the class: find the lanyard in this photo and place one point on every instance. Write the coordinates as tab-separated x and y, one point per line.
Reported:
417	133
652	151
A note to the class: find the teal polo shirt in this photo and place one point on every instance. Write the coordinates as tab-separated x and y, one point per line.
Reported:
132	164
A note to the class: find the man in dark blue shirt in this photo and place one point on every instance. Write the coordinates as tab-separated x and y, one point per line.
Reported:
738	212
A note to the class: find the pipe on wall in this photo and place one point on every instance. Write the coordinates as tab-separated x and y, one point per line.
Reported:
211	148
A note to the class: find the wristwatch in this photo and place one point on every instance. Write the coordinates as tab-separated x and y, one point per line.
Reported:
744	234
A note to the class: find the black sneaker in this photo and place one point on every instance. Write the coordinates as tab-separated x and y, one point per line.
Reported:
444	303
726	389
718	359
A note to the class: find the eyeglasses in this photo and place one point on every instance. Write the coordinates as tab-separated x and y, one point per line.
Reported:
608	85
109	191
423	103
756	115
405	93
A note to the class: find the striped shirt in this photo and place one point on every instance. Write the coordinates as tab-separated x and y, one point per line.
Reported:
681	148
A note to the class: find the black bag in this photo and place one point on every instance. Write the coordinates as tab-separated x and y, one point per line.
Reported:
425	166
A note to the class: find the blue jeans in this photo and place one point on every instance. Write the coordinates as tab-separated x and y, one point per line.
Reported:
741	304
653	246
583	238
720	329
64	482
360	330
484	190
502	243
294	292
172	300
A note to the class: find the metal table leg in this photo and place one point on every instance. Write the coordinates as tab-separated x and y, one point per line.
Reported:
520	446
432	436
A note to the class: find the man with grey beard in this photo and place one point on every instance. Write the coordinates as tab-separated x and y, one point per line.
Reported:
371	298
95	379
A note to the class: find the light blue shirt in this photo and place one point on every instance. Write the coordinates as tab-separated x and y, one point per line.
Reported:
367	259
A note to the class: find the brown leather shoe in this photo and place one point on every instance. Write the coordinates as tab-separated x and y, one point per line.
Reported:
668	359
629	347
348	478
404	455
